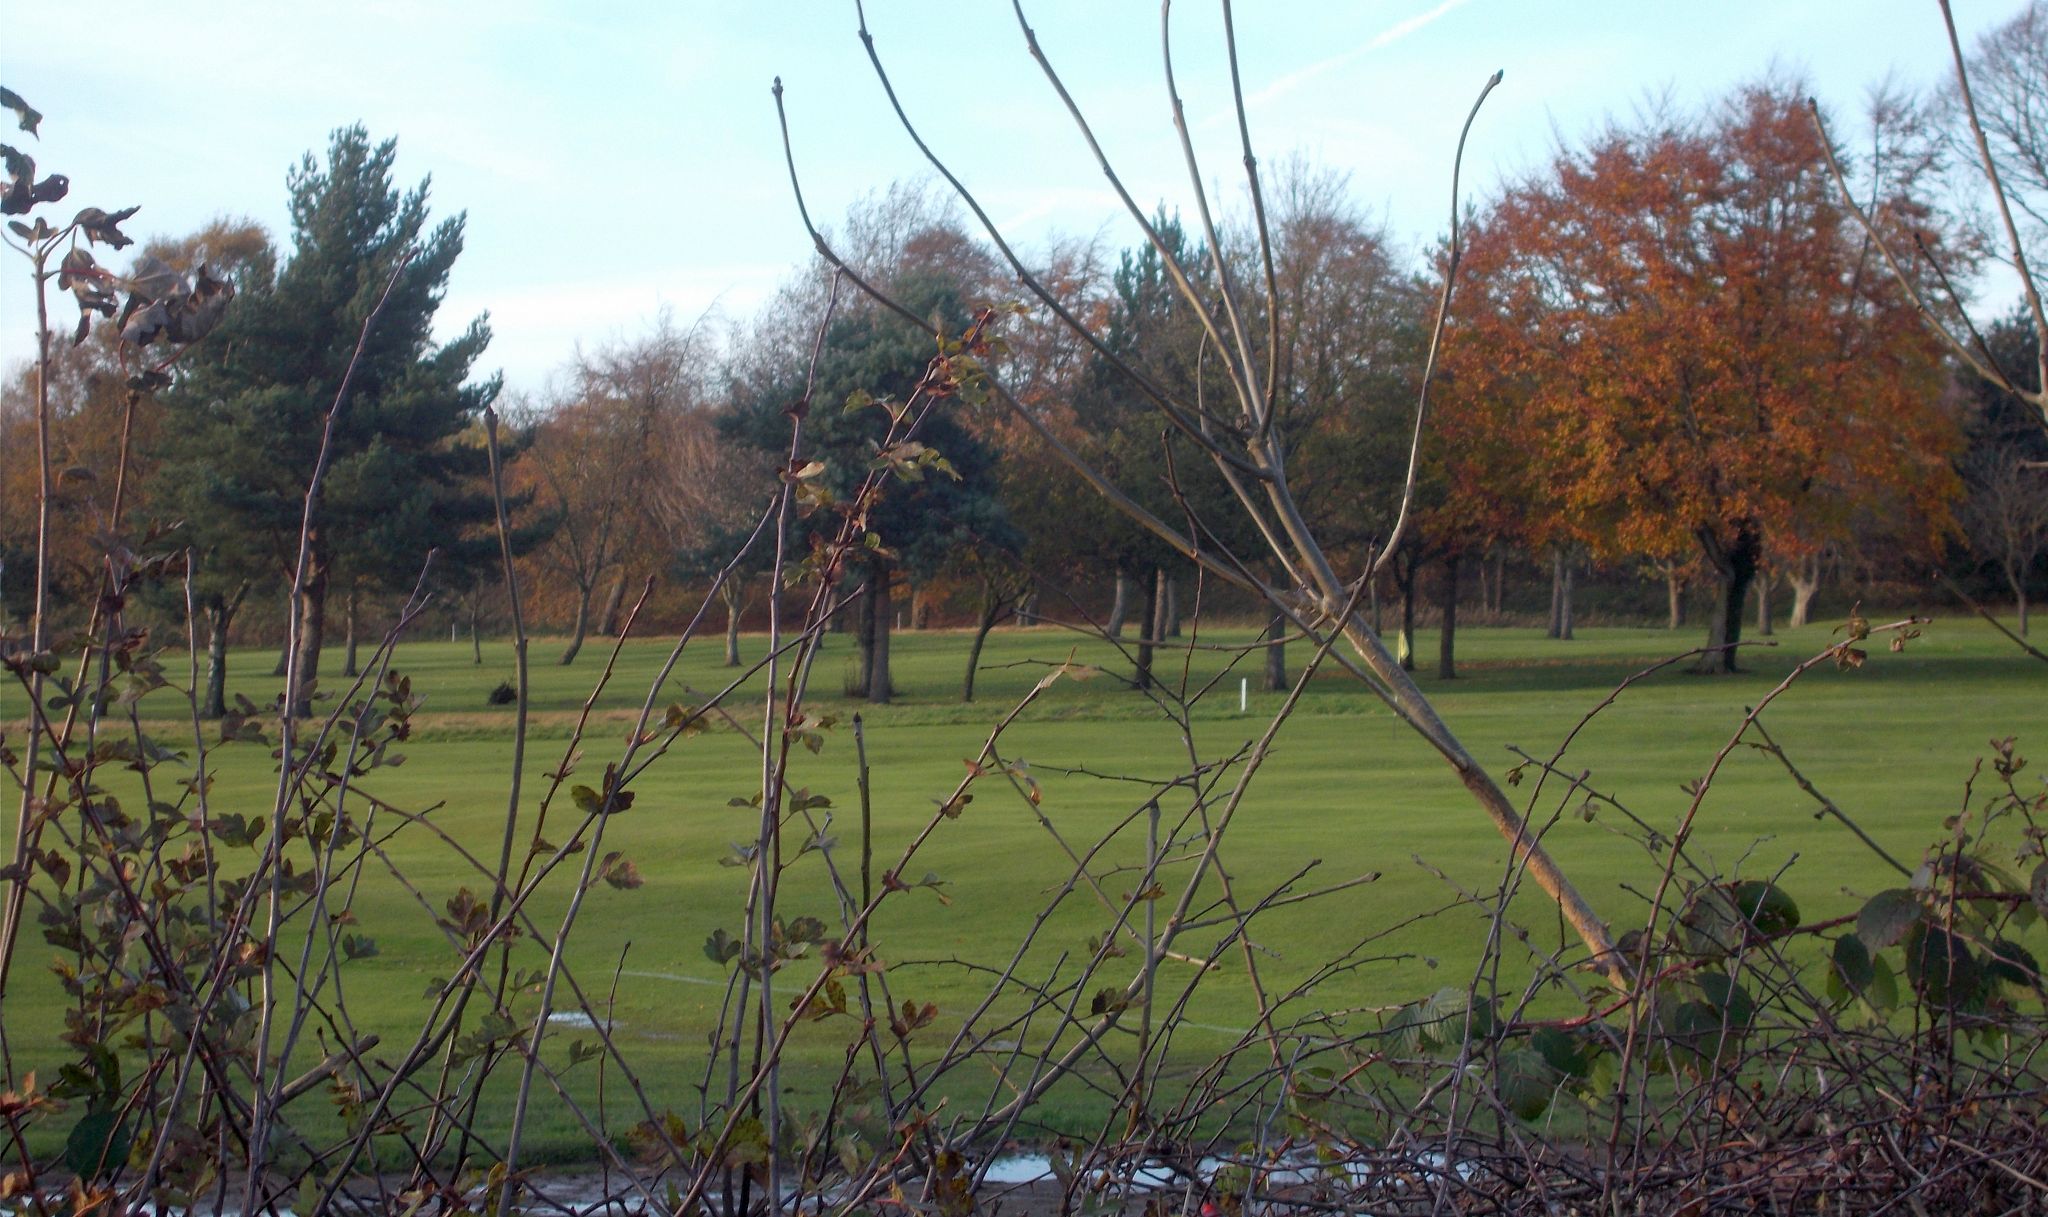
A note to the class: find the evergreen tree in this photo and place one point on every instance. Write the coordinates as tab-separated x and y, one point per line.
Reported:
1151	330
247	419
922	524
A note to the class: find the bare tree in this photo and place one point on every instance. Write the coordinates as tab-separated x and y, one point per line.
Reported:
619	460
575	458
2007	85
2000	103
2006	517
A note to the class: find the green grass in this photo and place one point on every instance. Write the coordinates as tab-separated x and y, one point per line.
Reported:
1348	788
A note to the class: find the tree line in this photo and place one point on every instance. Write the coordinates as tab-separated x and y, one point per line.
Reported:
1673	353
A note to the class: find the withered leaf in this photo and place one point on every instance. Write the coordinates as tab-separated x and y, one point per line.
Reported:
102	227
26	116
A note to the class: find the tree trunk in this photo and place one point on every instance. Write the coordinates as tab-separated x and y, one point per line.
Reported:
984	621
1500	580
1564	620
864	636
1763	583
1674	596
1447	640
284	649
348	662
312	634
1148	629
220	615
1027	608
838	624
578	632
1120	605
215	704
1372	591
1407	642
1560	595
1734	566
612	605
1805	579
879	686
2016	578
476	638
729	591
1276	654
1556	592
1172	609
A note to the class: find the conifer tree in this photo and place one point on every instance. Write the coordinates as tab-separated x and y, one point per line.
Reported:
247	419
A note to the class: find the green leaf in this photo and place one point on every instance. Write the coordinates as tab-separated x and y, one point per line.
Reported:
1883	993
1405	1027
1709	924
98	1143
1940	966
1886	917
1570	1053
1526	1082
2014	964
720	947
1457	1018
1692	1030
1850	964
1731	1002
1767	906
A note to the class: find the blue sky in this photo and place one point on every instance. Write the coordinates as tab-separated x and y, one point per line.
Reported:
616	158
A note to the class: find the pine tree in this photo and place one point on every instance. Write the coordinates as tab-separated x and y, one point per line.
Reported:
247	419
922	525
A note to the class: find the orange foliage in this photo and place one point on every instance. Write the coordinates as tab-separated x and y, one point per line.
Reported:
1677	341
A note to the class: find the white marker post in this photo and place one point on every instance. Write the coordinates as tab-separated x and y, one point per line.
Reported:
1243	690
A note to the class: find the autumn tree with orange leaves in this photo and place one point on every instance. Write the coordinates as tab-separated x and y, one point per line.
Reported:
1689	345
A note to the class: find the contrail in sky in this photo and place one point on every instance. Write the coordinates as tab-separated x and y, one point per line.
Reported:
1387	37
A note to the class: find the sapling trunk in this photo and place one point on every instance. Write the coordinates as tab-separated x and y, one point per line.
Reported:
734	604
1447	605
991	612
581	628
879	687
2016	579
1407	647
348	663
